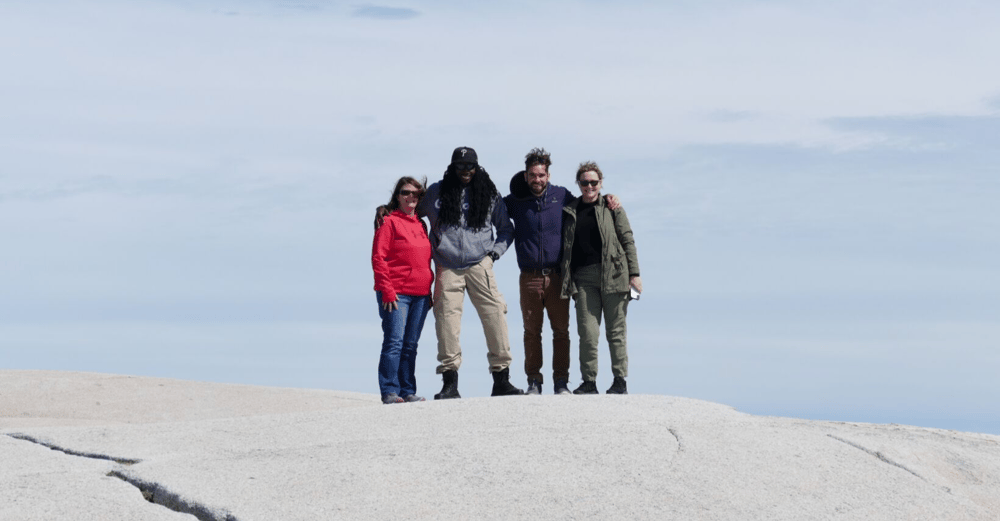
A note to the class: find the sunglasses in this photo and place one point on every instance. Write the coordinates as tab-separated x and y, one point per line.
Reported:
589	183
463	167
407	193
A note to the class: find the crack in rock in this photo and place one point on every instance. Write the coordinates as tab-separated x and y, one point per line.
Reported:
151	491
878	455
680	444
91	455
155	493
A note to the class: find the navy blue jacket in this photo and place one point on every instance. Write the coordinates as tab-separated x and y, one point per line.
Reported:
538	222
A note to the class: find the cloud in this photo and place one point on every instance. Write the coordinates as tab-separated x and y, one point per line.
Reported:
730	116
994	102
972	134
385	13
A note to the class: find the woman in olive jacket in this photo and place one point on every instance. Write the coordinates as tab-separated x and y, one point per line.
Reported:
599	265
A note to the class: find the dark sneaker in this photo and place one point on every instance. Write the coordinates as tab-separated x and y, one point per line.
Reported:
414	398
534	387
391	398
561	386
587	388
618	386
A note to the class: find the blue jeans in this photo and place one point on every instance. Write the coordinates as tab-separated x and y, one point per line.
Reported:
401	332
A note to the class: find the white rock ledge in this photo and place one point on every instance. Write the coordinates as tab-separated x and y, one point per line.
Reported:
232	452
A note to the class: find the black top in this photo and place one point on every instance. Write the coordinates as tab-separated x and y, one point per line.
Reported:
587	243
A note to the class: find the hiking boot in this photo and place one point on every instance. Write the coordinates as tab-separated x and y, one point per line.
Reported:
561	386
414	398
502	385
587	388
391	398
618	386
534	386
450	388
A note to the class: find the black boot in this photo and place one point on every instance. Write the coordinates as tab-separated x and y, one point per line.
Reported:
502	385
586	388
618	386
450	387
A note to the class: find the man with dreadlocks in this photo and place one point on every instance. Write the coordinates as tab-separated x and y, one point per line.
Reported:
464	208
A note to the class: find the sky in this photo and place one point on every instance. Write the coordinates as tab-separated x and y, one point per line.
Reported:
187	188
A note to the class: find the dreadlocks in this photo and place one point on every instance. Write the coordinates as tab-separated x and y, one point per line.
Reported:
482	193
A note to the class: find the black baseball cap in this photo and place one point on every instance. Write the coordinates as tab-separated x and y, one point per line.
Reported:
464	155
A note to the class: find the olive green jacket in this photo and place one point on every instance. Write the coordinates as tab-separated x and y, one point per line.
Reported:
618	256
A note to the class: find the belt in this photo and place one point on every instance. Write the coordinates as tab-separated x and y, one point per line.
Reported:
545	272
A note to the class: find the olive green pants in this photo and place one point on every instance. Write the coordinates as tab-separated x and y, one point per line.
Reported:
591	304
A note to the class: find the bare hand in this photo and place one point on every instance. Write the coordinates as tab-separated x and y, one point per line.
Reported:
390	306
612	201
380	214
636	282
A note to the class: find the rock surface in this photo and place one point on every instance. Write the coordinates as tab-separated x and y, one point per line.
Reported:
151	448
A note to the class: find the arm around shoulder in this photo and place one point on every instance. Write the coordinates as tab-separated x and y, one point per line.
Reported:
380	213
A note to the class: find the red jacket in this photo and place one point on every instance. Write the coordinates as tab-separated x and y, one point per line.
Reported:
401	257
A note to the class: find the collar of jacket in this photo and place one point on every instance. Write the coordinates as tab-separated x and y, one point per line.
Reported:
575	203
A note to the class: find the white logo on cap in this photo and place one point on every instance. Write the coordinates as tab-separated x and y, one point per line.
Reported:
463	152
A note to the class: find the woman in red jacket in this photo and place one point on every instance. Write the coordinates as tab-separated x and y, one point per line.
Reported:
401	260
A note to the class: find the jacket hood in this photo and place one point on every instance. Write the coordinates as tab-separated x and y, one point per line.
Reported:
519	187
405	215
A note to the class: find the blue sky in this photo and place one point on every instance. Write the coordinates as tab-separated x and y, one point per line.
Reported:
186	187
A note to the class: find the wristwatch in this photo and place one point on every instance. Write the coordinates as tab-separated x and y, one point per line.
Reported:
494	255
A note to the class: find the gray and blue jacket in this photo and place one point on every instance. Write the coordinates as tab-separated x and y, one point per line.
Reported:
459	246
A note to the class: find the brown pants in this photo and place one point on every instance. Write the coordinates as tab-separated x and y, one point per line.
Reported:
540	293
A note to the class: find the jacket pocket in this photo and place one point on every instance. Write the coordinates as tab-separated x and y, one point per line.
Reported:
618	266
486	243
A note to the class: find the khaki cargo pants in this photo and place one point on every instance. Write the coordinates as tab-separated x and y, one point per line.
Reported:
449	297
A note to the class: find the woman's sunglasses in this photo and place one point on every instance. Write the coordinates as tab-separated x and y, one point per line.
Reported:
589	183
407	193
